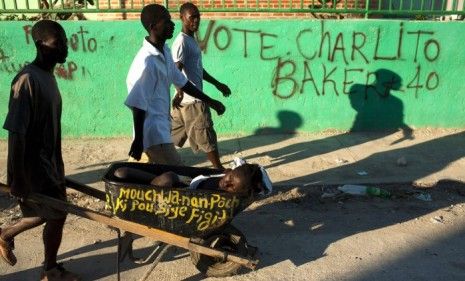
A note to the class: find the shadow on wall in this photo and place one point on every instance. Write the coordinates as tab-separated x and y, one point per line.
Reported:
289	122
376	106
379	114
424	159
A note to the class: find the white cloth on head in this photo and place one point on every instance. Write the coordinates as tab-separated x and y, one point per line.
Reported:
148	82
198	179
266	181
236	163
265	178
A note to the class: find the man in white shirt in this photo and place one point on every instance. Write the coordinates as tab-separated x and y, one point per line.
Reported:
191	118
149	78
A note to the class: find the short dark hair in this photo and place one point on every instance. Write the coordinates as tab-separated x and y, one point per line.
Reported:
150	15
186	6
251	174
44	29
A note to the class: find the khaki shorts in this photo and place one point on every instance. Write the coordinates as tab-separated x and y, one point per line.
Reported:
164	153
193	122
30	209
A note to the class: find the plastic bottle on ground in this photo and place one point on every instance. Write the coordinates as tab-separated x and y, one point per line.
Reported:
364	190
378	192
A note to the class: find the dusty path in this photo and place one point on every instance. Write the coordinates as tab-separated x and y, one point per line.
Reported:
300	235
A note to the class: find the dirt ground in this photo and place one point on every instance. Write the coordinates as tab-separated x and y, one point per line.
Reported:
303	232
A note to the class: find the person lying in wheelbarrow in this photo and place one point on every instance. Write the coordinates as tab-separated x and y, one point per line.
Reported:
243	180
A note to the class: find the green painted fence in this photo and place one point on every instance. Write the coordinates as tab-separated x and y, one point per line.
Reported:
285	75
62	9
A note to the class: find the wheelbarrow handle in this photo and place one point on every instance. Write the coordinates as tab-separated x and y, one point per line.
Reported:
72	184
85	189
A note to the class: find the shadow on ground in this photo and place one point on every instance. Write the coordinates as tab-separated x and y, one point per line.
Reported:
424	159
302	227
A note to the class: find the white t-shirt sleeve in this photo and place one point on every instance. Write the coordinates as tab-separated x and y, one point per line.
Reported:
141	83
178	50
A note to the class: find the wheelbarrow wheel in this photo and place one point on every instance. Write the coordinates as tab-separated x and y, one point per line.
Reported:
230	240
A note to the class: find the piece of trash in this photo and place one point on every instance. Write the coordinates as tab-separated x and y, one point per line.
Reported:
329	195
362	173
402	161
437	219
289	223
364	190
423	196
316	226
353	189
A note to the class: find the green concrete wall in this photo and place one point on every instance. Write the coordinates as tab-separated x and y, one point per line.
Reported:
303	75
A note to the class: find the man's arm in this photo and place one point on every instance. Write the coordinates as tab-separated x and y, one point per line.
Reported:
20	112
20	187
223	88
190	89
137	146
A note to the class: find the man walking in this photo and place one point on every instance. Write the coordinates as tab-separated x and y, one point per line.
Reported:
191	118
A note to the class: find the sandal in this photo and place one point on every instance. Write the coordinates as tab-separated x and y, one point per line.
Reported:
6	251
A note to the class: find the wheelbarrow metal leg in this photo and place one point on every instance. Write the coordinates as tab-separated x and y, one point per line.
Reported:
156	246
118	254
156	261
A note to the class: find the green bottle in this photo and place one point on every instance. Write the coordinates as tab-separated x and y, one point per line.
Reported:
378	192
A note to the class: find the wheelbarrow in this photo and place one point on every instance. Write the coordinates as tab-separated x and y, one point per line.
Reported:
196	220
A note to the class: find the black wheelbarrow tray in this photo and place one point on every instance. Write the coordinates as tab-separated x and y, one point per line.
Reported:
196	220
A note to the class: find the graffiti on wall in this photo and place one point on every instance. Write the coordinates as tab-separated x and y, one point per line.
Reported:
317	58
312	60
80	41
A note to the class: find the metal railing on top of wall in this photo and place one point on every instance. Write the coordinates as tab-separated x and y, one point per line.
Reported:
390	8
